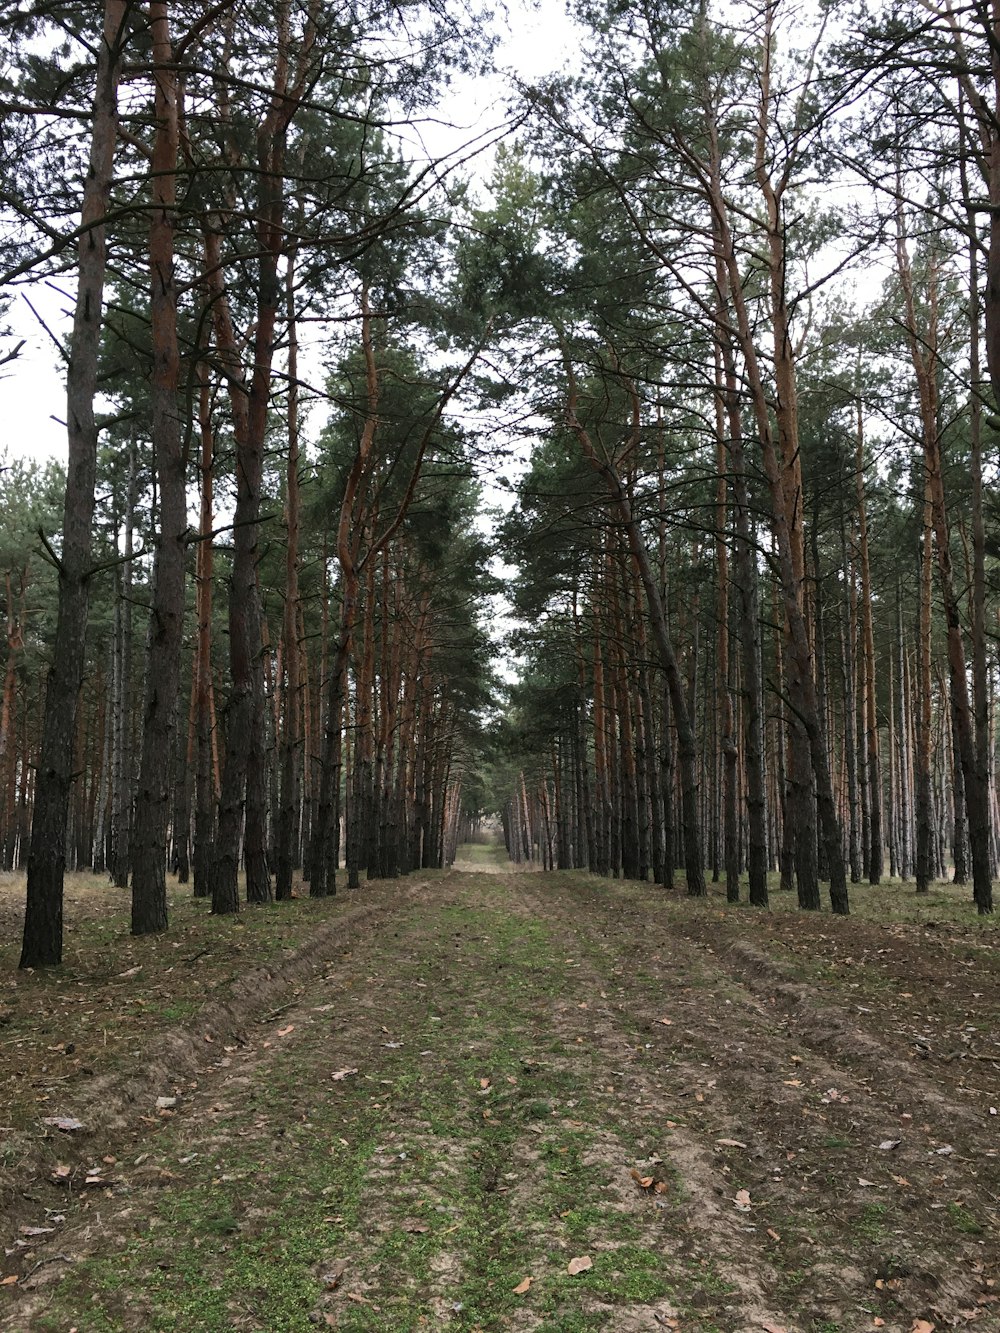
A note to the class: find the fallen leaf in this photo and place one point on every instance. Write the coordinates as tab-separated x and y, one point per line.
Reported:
878	1323
666	1022
484	1083
774	1328
742	1201
887	1145
922	1326
793	1083
64	1122
644	1182
283	1032
946	1151
731	1143
8	1281
331	1278
341	1074
773	1234
36	1231
902	1181
867	1184
579	1265
414	1226
523	1286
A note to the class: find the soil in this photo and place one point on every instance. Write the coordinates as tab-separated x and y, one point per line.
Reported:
495	1100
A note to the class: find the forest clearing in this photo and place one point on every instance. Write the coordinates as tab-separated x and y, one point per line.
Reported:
428	1103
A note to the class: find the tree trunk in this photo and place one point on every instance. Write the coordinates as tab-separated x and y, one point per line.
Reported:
724	700
43	919
876	860
205	792
784	486
291	741
163	665
749	611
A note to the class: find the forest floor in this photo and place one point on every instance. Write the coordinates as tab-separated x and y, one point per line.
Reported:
497	1100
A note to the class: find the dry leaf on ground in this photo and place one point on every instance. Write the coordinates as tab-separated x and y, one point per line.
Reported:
331	1278
523	1286
579	1265
341	1074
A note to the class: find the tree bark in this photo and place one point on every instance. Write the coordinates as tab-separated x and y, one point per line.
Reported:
43	919
163	664
291	740
876	861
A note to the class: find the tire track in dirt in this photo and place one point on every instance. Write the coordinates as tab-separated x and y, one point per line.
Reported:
768	1094
213	1071
828	1028
646	1091
509	1040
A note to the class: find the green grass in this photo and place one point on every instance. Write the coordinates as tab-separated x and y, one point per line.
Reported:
249	1228
962	1220
872	1222
483	853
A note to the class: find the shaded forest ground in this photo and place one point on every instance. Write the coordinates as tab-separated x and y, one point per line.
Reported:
389	1111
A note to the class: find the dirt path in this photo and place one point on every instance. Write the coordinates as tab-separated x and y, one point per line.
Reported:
508	1072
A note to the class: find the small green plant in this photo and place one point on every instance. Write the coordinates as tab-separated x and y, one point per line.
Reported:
962	1220
872	1222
